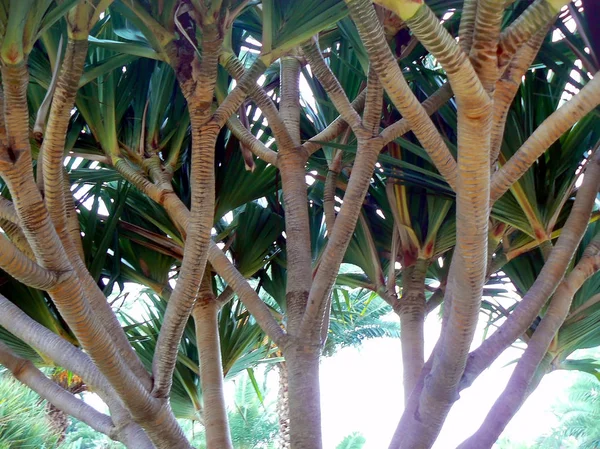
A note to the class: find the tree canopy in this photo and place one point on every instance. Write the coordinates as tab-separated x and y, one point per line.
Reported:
273	176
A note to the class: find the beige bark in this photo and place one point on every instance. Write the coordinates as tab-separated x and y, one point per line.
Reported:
206	322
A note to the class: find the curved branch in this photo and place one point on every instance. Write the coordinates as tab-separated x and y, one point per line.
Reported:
547	281
334	129
24	371
258	148
393	81
332	86
235	67
536	17
517	389
545	135
22	268
246	293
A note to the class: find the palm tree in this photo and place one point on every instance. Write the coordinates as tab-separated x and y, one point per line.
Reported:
578	416
145	94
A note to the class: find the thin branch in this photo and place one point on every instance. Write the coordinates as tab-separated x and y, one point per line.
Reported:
507	87
246	293
343	230
469	91
547	281
235	67
393	80
545	135
517	389
24	371
484	51
179	213
245	84
258	148
466	28
434	102
334	129
536	17
332	86
22	268
206	323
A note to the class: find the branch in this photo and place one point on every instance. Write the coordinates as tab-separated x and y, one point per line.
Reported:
393	81
234	99
332	86
466	28
517	389
245	137
291	165
412	320
507	87
334	129
27	373
206	323
484	51
56	133
235	67
343	230
545	135
22	268
465	83
198	91
68	356
536	17
180	215
289	97
373	104
547	281
431	105
246	293
7	210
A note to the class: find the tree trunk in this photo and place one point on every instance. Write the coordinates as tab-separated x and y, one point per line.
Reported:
283	407
214	412
412	319
304	396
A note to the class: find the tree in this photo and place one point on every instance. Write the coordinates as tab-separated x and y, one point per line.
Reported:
24	422
136	75
576	416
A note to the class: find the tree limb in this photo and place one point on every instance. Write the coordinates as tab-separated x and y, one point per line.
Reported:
547	133
27	373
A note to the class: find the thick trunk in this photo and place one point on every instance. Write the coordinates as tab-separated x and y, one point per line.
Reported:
283	407
304	396
412	319
214	412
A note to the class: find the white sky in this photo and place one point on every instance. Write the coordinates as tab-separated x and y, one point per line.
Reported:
361	391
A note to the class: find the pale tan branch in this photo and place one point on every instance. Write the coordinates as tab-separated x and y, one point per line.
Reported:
206	323
343	230
536	17
334	129
545	135
246	84
22	268
508	86
235	67
24	371
332	86
547	281
431	105
518	386
393	80
258	148
484	54
466	28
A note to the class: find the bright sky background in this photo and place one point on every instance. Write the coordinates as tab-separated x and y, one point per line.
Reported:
361	391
